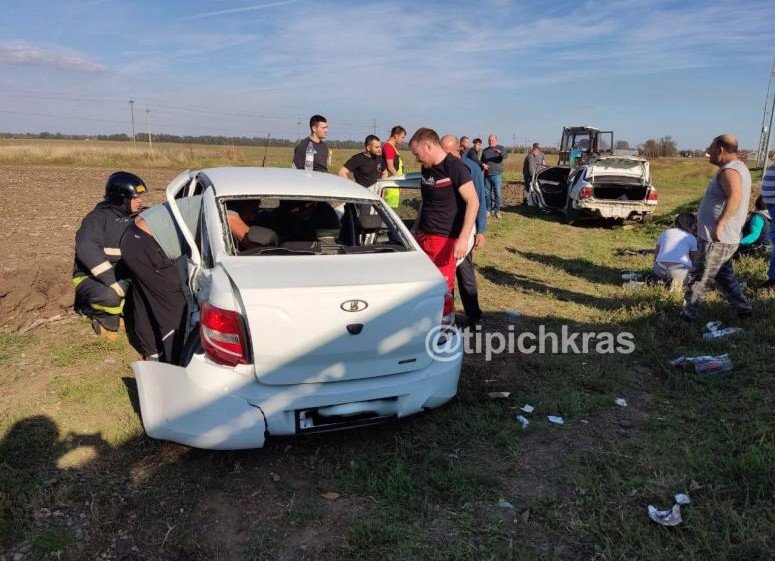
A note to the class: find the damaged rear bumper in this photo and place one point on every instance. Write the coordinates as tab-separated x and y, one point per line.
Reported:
205	405
614	209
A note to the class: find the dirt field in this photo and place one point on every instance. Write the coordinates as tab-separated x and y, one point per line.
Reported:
40	212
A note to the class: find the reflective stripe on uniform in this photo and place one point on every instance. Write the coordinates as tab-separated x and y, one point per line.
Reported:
112	310
113	251
78	280
97	270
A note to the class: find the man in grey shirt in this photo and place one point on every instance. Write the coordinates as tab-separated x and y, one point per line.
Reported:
533	161
492	162
721	216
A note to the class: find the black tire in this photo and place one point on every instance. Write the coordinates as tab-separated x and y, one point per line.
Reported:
571	214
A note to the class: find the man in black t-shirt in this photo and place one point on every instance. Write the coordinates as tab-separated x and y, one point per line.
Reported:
318	127
449	207
366	167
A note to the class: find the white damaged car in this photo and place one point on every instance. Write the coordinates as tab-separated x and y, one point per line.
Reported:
327	318
606	187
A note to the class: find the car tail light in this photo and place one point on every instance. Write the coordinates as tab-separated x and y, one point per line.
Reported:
586	192
223	335
652	195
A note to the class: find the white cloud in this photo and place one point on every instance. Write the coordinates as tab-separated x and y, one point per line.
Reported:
30	55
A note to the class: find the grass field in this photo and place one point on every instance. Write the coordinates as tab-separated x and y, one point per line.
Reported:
79	480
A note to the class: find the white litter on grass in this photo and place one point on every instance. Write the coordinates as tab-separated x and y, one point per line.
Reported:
682	499
556	420
499	395
670	517
523	420
621	402
527	408
505	504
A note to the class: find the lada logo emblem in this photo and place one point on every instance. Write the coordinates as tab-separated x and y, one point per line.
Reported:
354	306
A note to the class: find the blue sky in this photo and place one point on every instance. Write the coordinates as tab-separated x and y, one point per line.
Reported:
641	68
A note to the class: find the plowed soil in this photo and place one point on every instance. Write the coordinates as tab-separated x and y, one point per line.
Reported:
41	208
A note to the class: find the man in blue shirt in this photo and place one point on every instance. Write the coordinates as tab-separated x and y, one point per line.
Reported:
466	277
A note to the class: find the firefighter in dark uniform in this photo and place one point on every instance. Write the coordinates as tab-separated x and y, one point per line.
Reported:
99	276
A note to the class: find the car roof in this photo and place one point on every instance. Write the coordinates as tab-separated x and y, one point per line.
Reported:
240	181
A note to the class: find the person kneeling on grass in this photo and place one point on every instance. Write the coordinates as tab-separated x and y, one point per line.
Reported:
676	251
756	230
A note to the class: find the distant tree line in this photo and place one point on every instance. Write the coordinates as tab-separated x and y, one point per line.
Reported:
186	139
665	147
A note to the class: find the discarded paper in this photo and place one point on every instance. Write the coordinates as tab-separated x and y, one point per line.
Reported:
621	402
556	420
670	517
523	420
499	395
682	499
527	408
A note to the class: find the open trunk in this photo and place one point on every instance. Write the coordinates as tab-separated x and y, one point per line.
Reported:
619	188
551	186
321	318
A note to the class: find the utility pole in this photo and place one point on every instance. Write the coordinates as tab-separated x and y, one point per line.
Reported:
763	156
766	161
148	120
132	116
298	130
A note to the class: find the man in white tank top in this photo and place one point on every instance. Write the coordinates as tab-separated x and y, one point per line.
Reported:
721	216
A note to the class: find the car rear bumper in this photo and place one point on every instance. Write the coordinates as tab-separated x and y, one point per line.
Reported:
614	209
205	405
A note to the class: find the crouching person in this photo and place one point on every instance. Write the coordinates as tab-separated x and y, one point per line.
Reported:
151	247
99	277
676	251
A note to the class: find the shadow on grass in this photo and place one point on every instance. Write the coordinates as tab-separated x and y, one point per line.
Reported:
582	268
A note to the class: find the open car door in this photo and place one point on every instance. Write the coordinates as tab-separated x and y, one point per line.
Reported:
409	201
549	188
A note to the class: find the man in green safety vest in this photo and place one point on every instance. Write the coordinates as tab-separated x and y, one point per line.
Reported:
393	163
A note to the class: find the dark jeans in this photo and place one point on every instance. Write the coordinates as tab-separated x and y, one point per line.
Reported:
714	262
156	322
494	184
469	293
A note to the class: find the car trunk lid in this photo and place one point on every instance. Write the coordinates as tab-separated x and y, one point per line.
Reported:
329	318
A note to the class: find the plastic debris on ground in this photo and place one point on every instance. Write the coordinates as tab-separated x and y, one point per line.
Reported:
499	395
505	504
632	276
632	284
682	499
621	402
523	420
556	420
716	330
527	408
330	496
670	517
513	314
703	364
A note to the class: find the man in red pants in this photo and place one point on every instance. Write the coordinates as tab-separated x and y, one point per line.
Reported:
449	206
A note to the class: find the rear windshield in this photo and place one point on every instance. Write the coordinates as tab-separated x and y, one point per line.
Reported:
310	226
